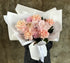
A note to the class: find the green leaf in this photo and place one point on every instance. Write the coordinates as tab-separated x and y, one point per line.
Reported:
41	18
51	30
46	40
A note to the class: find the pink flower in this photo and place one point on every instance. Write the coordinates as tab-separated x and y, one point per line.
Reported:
34	27
29	19
21	25
35	24
29	25
28	34
36	18
47	26
44	34
50	21
35	33
41	24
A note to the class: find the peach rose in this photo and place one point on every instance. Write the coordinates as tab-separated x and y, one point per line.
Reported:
28	34
50	21
36	18
21	25
44	34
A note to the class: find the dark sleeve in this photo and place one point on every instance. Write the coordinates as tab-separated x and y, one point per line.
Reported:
27	57
49	45
26	46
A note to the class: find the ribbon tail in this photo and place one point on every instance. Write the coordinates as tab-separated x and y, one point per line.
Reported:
43	52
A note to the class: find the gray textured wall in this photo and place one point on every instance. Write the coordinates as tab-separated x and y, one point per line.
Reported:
13	52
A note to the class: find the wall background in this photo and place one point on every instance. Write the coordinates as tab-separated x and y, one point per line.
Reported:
13	52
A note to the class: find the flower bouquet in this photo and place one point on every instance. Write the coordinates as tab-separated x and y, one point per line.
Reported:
34	27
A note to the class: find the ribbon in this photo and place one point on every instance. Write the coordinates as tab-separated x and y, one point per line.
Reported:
38	52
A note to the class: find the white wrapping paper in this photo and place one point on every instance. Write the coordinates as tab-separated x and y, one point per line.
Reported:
52	13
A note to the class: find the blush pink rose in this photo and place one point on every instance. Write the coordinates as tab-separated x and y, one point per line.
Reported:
41	24
29	19
47	26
